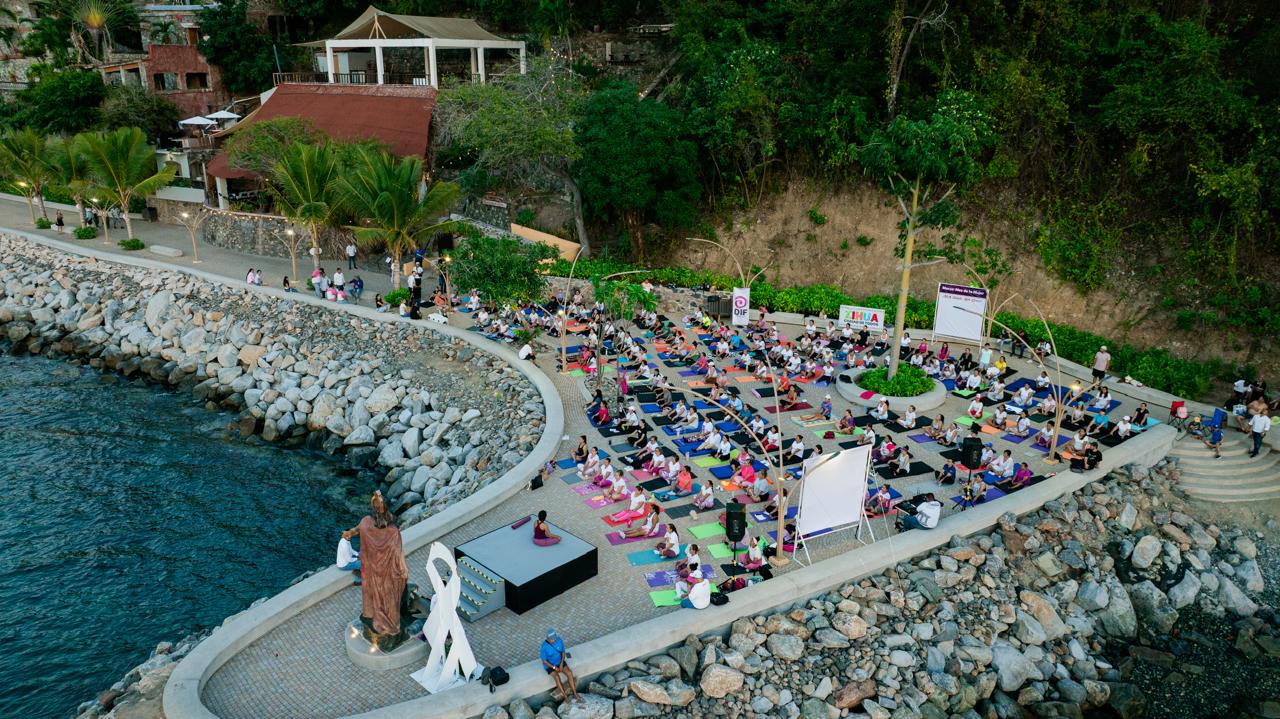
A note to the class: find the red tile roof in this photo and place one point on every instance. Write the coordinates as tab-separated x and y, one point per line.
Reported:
397	115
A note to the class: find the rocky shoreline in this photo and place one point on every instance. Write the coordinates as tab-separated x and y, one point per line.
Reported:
433	418
1052	614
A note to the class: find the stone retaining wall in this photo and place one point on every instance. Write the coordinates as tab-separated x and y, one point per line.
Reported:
265	234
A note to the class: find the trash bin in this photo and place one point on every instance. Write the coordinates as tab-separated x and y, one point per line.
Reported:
151	214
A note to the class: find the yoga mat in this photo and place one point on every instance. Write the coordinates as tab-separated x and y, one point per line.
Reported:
916	468
730	486
586	490
664	598
686	510
616	538
793	408
763	517
623	447
966	420
650	408
722	551
1015	438
646	556
567	463
745	499
668	577
708	462
723	471
653	484
570	478
710	529
599	502
609	520
813	422
921	438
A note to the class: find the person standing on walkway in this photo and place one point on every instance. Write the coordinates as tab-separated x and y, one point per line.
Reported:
351	255
1101	363
58	222
1259	425
339	281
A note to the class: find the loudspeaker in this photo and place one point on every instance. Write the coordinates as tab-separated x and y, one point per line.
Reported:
735	521
971	452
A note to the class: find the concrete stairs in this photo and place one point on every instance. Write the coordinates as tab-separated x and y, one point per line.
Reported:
483	592
1236	477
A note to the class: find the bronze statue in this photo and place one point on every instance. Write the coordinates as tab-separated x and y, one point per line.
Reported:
385	577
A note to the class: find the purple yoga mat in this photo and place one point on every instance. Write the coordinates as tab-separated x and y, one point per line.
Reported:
600	503
1015	438
586	489
921	438
668	577
616	538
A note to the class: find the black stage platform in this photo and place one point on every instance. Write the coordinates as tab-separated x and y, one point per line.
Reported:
532	574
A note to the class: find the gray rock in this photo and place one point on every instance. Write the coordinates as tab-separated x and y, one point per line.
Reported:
520	709
1234	600
361	435
1027	629
785	646
1248	573
1128	517
1013	669
1153	606
1245	547
719	681
1184	592
1146	551
850	625
632	708
383	399
831	639
496	712
1092	596
899	658
650	692
590	707
1118	618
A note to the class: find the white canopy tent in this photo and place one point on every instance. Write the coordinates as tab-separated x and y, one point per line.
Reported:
197	121
222	115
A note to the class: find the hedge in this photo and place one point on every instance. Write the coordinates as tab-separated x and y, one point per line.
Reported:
1153	367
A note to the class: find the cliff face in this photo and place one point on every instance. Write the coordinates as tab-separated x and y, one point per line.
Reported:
831	253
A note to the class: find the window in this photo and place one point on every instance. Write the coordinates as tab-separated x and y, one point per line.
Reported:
197	81
165	81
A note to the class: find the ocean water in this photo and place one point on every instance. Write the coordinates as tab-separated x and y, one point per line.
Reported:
128	515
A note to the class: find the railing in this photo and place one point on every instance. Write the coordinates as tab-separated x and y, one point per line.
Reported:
351	78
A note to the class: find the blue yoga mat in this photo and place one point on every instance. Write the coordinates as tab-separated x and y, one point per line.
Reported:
646	556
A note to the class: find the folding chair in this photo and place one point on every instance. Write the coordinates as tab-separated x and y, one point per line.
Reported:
1178	414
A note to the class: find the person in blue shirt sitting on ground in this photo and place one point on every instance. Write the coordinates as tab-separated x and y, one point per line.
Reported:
555	662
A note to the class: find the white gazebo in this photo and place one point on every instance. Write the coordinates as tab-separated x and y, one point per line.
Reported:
378	31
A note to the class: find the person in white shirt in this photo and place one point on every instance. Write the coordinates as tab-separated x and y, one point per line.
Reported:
351	255
348	559
1024	426
526	352
1101	363
340	281
1259	425
1024	396
973	382
699	596
796	450
926	516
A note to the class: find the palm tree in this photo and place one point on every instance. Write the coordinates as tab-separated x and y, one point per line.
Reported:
23	156
392	205
123	165
304	183
68	167
162	31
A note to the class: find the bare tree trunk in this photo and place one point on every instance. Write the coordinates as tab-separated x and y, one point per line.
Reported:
128	221
900	322
293	260
395	269
40	198
578	221
32	208
80	209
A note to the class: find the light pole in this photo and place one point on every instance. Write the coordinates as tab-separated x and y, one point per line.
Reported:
442	264
564	319
193	222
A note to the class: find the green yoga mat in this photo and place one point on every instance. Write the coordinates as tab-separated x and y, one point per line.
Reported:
577	373
966	420
721	551
966	393
702	531
664	598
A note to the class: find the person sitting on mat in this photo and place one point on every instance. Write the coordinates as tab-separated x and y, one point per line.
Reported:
1001	467
975	407
705	498
772	439
542	535
946	475
758	488
880	411
823	413
1045	435
908	420
1090	459
1099	425
1023	427
649	528
973	493
789	400
1021	478
669	547
1024	396
754	558
771	508
847	423
635	508
887	450
668	469
1141	415
902	463
691	557
590	469
880	502
1123	428
683	486
606	476
1102	403
712	441
973	382
580	452
951	436
756	423
868	437
724	451
796	450
698	594
998	418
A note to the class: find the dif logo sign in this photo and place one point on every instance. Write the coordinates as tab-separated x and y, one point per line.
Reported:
742	305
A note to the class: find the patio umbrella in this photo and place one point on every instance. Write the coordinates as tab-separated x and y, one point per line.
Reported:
223	115
197	121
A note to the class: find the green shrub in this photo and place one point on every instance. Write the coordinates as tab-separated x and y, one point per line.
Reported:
864	241
85	233
909	382
396	296
844	244
817	217
43	223
131	244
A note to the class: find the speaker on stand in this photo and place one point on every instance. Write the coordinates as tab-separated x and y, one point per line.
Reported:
971	454
735	525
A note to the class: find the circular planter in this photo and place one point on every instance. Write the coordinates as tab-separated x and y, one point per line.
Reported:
847	386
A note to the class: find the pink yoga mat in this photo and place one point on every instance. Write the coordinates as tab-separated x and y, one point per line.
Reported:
641	475
616	538
586	489
599	502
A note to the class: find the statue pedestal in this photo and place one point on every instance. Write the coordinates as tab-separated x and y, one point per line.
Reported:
365	655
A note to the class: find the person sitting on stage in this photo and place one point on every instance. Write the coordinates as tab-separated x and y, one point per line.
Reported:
880	502
847	423
881	411
975	407
542	535
823	413
669	547
634	510
650	527
555	663
754	558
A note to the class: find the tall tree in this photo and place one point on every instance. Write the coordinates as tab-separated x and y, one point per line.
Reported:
520	129
636	162
257	147
70	169
24	158
502	269
61	101
392	207
305	186
237	45
923	164
133	106
123	166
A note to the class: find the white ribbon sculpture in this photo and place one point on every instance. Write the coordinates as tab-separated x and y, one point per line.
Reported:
443	626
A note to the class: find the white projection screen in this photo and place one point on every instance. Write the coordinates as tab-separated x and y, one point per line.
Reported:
833	492
959	312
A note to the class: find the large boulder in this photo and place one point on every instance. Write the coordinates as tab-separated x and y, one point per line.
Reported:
1013	668
1153	606
786	646
157	306
361	435
851	695
1146	551
1040	607
1118	618
383	399
1234	600
719	681
850	625
590	707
